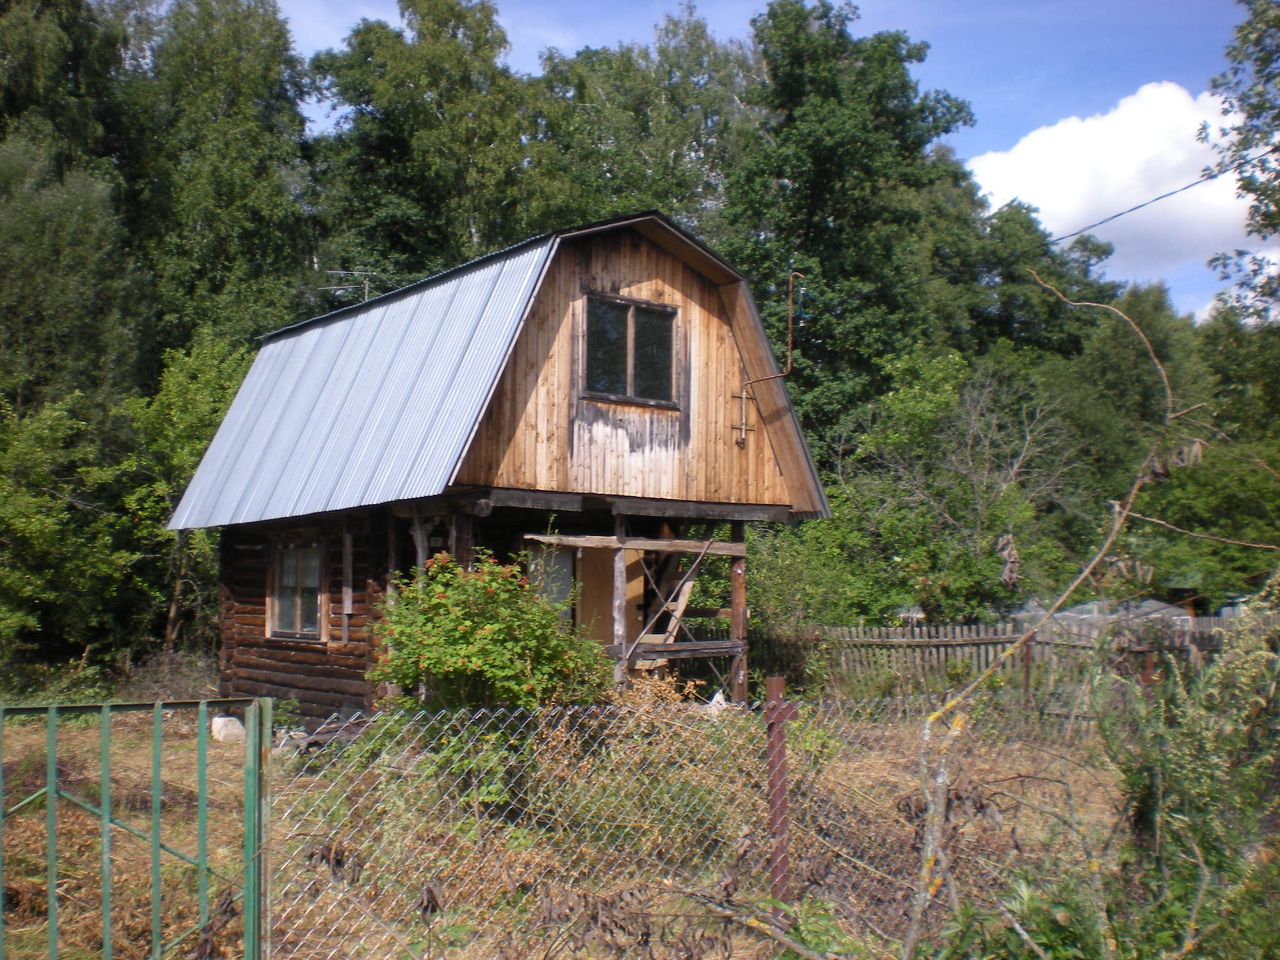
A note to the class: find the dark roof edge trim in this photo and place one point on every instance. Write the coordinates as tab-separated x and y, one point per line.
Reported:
506	356
414	287
612	223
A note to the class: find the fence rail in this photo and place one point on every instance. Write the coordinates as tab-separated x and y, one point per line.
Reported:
126	833
885	661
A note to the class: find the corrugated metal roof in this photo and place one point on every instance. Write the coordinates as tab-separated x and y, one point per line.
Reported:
371	404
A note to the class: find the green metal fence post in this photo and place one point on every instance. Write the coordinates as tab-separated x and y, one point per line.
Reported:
104	806
202	811
157	800
51	826
264	825
2	906
253	885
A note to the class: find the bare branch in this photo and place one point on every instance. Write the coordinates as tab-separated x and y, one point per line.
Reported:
748	922
1205	536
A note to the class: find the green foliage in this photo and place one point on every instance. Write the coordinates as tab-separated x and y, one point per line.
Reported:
639	127
224	229
1245	143
815	925
58	66
831	190
65	564
1198	763
423	172
1242	358
484	637
953	463
1231	494
63	276
170	431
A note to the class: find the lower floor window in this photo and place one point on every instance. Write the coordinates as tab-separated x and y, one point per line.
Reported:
295	606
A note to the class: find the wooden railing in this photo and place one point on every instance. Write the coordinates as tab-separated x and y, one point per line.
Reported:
926	656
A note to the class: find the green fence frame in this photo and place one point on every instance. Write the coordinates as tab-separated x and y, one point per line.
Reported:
253	887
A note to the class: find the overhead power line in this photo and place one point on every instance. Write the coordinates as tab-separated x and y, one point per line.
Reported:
1164	196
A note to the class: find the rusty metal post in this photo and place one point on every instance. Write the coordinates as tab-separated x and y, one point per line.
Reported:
776	714
1026	670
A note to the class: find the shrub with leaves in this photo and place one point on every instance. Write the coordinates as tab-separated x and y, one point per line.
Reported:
485	637
1189	869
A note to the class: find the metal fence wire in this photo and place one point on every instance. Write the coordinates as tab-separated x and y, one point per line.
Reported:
647	831
128	832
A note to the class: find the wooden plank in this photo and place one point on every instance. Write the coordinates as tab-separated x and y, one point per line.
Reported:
688	509
803	489
676	651
619	592
536	500
300	682
718	549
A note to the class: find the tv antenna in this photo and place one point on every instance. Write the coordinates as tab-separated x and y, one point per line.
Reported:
361	283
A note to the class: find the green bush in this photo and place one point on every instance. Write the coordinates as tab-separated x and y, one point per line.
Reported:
1198	762
484	637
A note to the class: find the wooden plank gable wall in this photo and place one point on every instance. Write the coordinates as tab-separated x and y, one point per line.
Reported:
541	433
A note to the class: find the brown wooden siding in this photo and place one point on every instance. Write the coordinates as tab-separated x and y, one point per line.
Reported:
324	675
541	433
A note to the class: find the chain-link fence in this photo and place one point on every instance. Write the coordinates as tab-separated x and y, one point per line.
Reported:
648	831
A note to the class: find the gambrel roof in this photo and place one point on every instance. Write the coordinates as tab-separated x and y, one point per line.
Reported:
377	403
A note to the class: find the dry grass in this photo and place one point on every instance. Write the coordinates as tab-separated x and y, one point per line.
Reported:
79	844
611	830
580	834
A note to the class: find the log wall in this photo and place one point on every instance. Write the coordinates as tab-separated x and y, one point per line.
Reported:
325	675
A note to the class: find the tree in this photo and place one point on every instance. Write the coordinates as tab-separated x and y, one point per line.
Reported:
63	280
423	170
1250	92
65	581
1242	358
224	229
169	433
832	190
898	250
59	64
639	127
946	501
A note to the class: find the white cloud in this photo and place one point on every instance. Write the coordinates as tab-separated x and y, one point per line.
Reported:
1080	170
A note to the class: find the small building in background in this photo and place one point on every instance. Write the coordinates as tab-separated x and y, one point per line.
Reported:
604	394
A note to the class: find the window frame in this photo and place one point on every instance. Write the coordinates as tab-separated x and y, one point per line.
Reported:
280	550
631	304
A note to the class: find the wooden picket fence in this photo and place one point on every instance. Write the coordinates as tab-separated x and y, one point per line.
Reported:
928	658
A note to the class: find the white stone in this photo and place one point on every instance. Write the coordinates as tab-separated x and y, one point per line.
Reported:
228	730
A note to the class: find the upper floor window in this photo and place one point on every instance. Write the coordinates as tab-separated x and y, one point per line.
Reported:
295	594
630	350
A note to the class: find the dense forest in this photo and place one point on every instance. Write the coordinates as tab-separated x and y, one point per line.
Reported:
162	203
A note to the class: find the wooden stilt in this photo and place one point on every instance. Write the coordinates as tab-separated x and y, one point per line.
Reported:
738	583
620	639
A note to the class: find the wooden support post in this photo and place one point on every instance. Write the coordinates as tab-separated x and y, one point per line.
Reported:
776	714
419	538
462	539
621	672
348	561
738	669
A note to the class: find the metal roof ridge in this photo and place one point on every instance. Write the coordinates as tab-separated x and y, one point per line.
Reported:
620	220
414	287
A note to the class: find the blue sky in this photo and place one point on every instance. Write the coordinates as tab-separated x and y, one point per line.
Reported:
1083	108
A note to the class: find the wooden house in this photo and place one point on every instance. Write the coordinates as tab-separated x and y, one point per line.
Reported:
604	394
